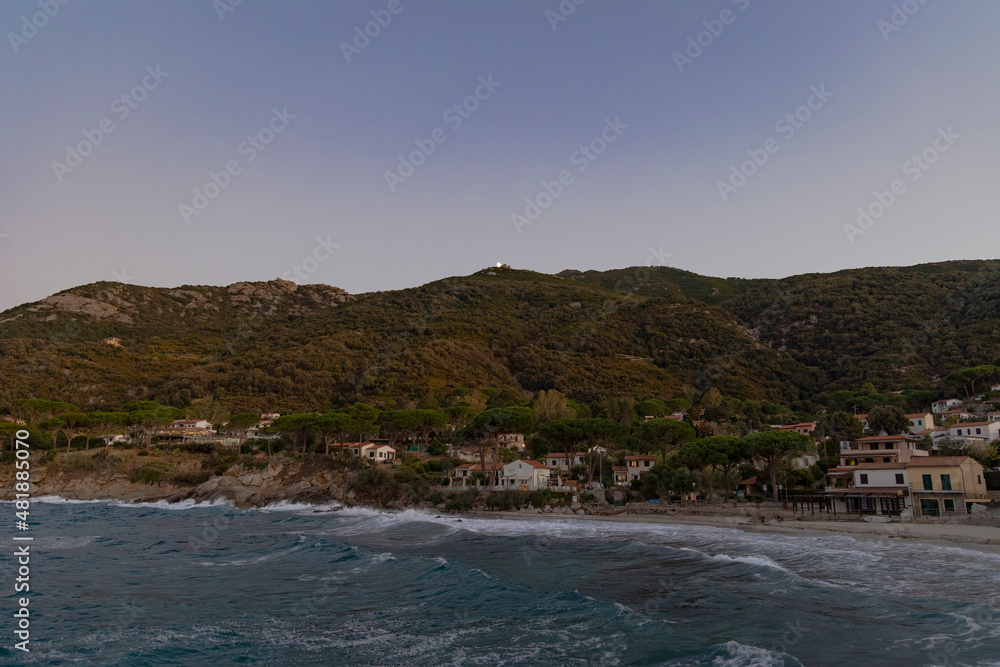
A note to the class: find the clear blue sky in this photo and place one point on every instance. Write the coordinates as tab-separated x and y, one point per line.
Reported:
554	86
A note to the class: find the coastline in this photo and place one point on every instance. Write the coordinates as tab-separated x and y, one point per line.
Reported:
978	538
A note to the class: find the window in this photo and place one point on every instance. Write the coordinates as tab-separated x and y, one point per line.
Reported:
886	459
949	505
928	484
946	482
864	478
979	479
899	478
647	464
978	431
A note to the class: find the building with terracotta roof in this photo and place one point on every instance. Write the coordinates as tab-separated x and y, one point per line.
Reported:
920	421
880	449
564	460
465	474
946	485
637	466
938	407
525	475
984	430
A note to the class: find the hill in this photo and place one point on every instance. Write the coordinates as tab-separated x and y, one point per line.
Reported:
639	332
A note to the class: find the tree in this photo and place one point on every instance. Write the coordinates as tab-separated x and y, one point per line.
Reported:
888	418
364	419
7	432
716	453
576	435
76	423
427	422
297	427
209	409
551	405
838	426
651	407
239	424
144	417
487	427
102	422
774	449
664	434
53	424
33	410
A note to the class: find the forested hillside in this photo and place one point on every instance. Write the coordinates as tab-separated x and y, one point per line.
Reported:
637	333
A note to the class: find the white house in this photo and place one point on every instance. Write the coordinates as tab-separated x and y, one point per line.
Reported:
373	451
988	430
920	421
563	460
637	466
939	407
958	414
525	475
464	474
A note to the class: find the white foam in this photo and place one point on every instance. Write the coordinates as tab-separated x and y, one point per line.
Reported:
762	561
742	655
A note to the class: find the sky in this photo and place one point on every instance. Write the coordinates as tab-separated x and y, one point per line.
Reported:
383	144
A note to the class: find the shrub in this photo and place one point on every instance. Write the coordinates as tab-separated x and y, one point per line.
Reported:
539	497
149	474
220	470
462	501
191	478
587	498
143	453
507	500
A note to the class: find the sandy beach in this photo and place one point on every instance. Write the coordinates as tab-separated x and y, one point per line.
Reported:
980	538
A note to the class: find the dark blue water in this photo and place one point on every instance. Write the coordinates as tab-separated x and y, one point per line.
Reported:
151	585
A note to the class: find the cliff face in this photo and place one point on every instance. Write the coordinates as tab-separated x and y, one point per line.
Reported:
129	478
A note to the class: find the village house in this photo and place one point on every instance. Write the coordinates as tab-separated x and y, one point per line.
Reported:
805	428
269	416
870	488
879	449
945	485
564	461
637	466
863	418
525	475
619	475
374	451
920	421
466	474
957	414
987	431
939	407
514	441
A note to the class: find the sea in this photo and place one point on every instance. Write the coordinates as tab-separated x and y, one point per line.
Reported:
185	584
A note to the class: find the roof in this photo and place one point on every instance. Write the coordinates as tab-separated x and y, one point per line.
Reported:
618	468
861	415
957	412
750	481
642	457
866	490
928	431
533	464
936	461
918	414
882	438
986	423
563	455
477	466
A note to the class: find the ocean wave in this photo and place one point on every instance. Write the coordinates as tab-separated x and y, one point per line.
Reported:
762	561
735	654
